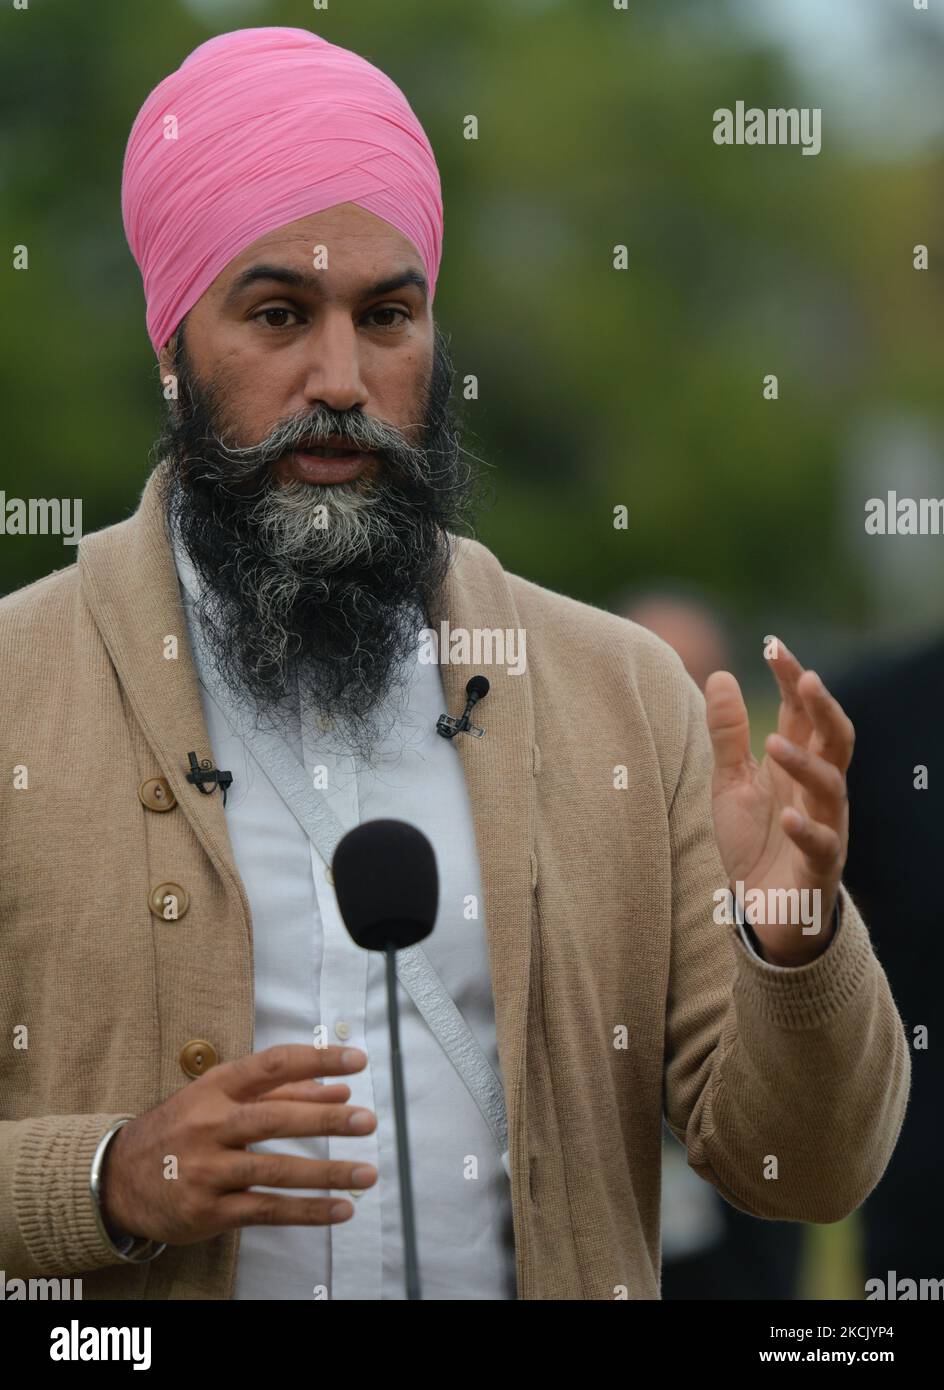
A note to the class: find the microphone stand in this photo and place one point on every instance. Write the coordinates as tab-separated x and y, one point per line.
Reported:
403	1147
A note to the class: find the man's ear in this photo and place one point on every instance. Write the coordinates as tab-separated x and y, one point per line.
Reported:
167	373
166	358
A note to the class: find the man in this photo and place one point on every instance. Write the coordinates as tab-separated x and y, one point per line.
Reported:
268	613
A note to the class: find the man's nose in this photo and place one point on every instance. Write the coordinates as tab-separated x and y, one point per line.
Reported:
334	367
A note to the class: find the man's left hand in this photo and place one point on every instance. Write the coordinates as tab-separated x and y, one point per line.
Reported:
783	823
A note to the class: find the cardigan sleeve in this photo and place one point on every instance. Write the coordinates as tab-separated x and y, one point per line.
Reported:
752	944
788	1087
47	1221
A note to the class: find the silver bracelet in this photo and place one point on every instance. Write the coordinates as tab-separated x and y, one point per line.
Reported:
135	1250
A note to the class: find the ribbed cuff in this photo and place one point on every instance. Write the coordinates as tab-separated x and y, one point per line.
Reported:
51	1195
807	996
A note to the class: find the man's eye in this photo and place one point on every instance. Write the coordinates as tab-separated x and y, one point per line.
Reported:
391	309
264	313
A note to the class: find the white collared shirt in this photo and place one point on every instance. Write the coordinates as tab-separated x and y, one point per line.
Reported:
308	972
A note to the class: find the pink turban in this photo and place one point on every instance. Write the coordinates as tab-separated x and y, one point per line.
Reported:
271	125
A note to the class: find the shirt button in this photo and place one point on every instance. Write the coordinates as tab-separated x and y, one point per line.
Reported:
357	1192
342	1030
168	901
198	1057
156	794
329	876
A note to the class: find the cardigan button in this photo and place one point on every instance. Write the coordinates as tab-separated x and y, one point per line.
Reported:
168	901
198	1057
156	794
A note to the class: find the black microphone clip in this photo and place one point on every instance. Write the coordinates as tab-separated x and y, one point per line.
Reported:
206	772
449	726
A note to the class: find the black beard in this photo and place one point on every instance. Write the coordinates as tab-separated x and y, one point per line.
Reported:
287	609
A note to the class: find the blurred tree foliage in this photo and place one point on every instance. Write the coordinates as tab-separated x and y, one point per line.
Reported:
597	387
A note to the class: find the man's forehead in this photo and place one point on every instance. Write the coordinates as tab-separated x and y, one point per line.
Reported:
341	250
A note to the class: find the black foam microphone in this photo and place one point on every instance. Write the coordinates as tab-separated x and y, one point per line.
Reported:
387	887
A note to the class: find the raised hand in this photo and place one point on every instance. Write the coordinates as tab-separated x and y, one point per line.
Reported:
782	824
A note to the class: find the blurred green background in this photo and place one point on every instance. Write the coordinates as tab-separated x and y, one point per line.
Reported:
597	387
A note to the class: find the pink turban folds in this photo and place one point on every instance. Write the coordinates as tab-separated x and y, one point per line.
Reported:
255	129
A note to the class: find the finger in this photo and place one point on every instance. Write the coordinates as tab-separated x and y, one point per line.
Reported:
728	723
248	1169
249	1077
824	787
280	1119
835	733
273	1209
325	1092
819	843
793	721
786	668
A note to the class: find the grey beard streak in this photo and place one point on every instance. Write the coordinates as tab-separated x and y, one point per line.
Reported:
347	525
289	520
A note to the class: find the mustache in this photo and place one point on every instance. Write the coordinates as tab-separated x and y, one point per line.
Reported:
250	464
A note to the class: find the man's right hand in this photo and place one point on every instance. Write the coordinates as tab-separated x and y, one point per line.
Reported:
207	1126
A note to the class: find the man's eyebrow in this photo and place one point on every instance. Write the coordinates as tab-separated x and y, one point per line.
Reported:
305	280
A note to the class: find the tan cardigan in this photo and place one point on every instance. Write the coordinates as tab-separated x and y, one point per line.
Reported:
599	916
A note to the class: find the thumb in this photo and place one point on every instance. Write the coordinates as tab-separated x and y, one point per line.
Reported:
728	723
